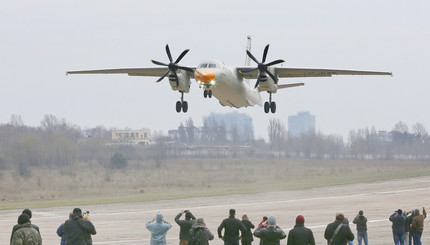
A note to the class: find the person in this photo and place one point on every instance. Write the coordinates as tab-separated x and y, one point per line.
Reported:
17	226
272	235
337	233
361	223
158	228
247	238
408	232
78	229
25	234
264	221
398	227
231	227
200	234
417	225
60	231
346	222
300	235
185	226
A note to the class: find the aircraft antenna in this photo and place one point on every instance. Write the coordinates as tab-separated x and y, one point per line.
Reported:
248	47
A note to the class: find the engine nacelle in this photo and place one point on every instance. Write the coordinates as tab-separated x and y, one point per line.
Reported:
184	81
267	83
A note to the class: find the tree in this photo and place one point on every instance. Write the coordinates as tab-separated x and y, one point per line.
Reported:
118	161
277	134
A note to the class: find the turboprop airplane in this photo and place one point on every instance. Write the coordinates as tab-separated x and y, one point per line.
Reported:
229	84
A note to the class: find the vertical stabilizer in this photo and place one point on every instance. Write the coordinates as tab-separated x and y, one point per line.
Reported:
248	47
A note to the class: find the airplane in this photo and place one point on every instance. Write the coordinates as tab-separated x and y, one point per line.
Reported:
229	84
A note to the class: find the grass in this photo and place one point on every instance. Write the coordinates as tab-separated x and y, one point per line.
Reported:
186	178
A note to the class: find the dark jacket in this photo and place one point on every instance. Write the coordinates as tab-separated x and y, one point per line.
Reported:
232	227
270	235
361	223
26	234
17	226
398	223
60	233
202	232
408	222
248	235
77	230
300	235
418	222
342	237
185	226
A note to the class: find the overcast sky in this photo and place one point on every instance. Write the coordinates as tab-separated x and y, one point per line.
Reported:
41	40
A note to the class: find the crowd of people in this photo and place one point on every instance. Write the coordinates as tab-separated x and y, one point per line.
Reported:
407	228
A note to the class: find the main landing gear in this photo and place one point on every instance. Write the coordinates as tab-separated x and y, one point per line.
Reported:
207	93
181	105
270	106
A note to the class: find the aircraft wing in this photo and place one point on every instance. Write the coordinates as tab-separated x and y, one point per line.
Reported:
308	72
147	72
280	86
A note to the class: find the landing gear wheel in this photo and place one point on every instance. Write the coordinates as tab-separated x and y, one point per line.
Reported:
266	107
273	107
184	106
205	93
178	106
210	93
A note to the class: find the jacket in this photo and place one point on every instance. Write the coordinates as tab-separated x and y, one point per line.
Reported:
232	227
398	223
17	226
342	237
361	223
60	233
185	226
158	230
300	235
270	235
247	237
77	230
26	235
418	222
203	233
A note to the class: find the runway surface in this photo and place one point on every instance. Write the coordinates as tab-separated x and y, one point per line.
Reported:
125	223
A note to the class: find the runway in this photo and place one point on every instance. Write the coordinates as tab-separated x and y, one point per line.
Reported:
125	223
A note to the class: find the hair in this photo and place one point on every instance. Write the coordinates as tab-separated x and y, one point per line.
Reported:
361	212
264	217
340	216
27	212
23	218
245	217
232	211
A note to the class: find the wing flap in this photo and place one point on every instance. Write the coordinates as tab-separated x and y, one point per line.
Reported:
307	72
147	72
281	86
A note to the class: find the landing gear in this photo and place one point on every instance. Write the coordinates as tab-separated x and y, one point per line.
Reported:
270	106
207	93
181	105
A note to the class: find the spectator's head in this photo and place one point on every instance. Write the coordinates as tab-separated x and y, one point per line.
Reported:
245	217
200	221
340	216
159	217
361	212
232	212
399	212
27	212
23	218
271	220
264	218
300	219
188	215
417	212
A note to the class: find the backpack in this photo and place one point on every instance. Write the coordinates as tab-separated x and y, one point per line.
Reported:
195	237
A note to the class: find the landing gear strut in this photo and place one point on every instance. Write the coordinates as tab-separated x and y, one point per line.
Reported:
270	106
207	93
181	105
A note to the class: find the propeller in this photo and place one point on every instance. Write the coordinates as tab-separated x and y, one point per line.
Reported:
173	66
262	67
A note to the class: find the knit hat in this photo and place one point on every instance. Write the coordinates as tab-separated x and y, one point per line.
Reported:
200	221
300	219
27	212
271	220
23	218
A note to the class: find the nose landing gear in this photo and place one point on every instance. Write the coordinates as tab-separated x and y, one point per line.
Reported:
207	93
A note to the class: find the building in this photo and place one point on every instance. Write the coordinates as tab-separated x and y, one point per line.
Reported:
300	124
131	136
240	123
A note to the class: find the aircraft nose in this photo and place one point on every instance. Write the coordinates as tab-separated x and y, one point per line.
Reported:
205	76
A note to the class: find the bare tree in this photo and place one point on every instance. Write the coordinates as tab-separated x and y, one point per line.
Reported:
277	134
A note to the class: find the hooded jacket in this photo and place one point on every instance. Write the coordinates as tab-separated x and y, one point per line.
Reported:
204	236
418	222
398	223
361	223
300	235
77	230
158	230
26	234
270	235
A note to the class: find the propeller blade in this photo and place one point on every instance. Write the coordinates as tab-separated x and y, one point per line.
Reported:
248	70
258	82
162	77
272	76
159	63
168	53
252	57
266	49
275	62
181	56
185	68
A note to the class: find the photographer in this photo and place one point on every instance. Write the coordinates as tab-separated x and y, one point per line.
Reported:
185	226
398	227
78	230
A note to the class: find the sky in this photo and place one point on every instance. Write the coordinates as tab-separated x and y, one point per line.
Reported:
41	40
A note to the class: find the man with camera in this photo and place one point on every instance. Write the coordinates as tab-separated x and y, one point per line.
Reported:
78	230
185	226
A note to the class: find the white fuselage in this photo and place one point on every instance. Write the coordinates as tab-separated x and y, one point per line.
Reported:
229	87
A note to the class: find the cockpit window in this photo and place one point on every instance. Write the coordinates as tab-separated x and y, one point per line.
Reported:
212	65
203	65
